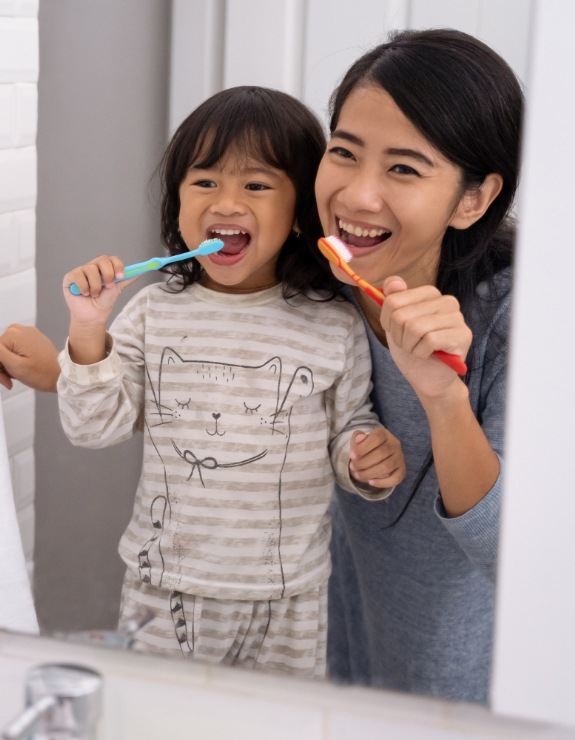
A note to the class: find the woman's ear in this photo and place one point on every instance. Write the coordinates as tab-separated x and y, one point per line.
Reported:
475	202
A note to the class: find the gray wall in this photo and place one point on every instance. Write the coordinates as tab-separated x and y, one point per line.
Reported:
102	128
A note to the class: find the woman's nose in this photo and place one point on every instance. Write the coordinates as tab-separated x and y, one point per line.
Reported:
363	193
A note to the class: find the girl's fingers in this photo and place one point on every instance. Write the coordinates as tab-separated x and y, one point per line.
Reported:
90	278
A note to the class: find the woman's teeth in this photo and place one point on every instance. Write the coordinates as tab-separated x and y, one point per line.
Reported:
359	231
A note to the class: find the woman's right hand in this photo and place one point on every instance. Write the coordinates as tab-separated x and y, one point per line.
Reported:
418	322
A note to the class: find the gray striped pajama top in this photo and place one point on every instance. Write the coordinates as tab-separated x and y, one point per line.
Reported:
247	404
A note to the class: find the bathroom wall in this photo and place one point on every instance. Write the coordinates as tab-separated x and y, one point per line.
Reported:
18	119
102	130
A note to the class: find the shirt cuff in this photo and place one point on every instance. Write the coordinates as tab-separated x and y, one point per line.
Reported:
101	372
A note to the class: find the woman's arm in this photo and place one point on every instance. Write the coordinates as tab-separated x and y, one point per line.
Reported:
417	322
27	355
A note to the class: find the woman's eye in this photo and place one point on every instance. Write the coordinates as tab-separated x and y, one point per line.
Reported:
341	151
404	169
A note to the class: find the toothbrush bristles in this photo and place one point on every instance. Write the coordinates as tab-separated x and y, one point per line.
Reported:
340	247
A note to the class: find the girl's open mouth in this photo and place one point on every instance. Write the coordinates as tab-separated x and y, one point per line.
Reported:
236	243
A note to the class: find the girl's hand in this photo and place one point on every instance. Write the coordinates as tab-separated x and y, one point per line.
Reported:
99	291
89	312
417	322
376	458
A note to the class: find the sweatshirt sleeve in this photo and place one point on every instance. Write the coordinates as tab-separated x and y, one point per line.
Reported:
349	409
477	531
100	404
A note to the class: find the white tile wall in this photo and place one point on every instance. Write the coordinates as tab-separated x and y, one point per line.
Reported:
19	50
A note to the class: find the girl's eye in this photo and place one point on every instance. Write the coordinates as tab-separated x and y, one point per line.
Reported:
257	186
205	184
404	169
341	151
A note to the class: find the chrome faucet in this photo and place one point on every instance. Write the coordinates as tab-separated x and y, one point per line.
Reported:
63	702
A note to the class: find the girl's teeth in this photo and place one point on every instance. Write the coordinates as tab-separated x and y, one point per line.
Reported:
358	231
227	232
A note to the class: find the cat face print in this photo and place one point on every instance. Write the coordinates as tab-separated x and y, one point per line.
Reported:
218	415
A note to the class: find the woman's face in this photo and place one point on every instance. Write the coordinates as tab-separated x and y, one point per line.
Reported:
386	191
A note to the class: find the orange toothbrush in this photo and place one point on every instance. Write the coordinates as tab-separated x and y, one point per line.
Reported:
338	254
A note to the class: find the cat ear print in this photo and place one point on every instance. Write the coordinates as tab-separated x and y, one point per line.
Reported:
170	355
274	365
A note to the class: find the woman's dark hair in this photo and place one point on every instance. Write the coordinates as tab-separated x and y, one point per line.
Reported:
465	99
270	126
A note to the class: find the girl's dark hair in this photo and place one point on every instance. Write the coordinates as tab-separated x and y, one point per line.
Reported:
270	126
466	100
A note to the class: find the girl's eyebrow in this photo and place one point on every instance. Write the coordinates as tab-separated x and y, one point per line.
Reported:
248	170
394	151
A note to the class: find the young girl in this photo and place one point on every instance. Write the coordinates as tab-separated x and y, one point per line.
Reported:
419	177
249	383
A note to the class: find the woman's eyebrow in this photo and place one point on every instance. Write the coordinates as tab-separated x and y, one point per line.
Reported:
393	151
341	134
413	153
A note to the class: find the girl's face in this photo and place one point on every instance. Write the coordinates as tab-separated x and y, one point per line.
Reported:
386	191
251	207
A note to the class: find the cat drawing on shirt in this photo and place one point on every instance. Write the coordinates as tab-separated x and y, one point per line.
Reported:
209	421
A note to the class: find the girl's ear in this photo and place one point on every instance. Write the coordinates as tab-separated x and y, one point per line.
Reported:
475	202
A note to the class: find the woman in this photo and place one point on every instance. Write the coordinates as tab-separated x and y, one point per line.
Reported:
418	178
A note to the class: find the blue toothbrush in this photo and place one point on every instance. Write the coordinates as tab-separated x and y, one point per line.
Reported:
206	247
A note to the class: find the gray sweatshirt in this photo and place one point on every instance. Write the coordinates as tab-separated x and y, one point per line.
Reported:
412	603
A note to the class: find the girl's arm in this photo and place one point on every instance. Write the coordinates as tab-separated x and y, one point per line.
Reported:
99	404
350	413
417	322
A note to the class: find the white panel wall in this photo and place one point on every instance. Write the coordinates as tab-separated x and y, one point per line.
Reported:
305	46
535	655
18	117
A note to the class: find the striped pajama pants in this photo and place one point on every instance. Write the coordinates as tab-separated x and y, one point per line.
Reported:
283	635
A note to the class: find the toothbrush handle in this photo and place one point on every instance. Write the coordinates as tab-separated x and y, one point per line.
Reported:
453	361
130	271
138	268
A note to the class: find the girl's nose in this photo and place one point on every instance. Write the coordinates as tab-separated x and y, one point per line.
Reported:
227	204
